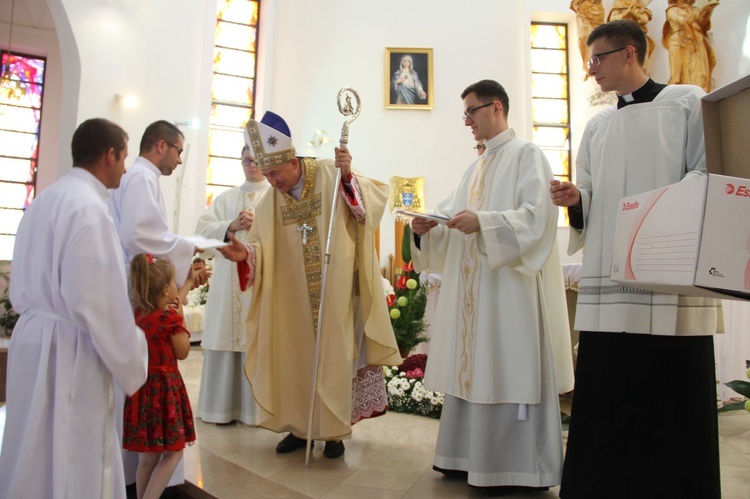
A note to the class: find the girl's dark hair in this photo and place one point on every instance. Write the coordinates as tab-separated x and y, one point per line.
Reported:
149	280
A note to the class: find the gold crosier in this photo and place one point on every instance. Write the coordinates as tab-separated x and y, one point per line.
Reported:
304	213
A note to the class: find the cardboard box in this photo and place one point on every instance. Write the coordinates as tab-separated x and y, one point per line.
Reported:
693	237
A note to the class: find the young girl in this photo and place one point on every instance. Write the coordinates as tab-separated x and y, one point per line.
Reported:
158	420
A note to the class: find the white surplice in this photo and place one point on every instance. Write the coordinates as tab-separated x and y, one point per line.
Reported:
501	317
137	208
225	393
616	159
75	338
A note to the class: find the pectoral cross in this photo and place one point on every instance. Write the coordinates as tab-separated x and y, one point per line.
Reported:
304	228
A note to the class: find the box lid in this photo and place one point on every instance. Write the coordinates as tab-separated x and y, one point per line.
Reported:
726	113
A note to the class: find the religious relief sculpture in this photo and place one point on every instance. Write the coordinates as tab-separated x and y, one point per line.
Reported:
636	11
685	36
589	15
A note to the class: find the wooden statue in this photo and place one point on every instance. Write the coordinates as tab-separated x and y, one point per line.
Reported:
589	15
636	11
685	36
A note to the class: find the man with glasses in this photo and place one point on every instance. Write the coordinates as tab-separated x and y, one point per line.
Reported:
501	315
225	393
137	208
644	418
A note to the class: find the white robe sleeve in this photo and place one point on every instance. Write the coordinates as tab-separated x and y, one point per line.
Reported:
96	298
143	227
577	237
695	152
212	223
431	254
521	238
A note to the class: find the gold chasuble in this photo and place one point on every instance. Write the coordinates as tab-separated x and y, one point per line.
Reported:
289	237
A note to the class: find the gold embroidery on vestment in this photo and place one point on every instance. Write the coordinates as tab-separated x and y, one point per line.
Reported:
304	212
470	283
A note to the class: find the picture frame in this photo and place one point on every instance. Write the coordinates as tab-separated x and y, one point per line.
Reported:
408	78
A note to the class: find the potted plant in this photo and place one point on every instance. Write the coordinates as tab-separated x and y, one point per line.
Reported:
407	304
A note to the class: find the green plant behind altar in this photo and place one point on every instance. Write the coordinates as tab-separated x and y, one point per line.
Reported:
407	303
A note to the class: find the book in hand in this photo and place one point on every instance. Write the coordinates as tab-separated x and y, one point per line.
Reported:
441	219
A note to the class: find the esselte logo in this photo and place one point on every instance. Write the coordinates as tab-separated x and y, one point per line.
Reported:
629	206
712	271
740	190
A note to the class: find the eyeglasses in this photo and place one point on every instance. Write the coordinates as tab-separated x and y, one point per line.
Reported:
179	151
470	112
247	161
480	147
596	58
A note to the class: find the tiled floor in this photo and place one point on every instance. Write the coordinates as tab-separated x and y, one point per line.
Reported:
388	457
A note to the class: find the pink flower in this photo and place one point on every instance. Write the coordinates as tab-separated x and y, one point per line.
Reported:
415	373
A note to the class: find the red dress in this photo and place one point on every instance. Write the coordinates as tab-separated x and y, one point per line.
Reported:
158	417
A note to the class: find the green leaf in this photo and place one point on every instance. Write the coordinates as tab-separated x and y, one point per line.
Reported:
737	406
741	387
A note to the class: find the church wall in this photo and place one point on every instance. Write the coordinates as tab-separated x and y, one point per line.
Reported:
343	44
154	51
161	53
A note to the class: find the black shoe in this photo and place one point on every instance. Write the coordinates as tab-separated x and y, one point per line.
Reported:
290	443
452	473
334	449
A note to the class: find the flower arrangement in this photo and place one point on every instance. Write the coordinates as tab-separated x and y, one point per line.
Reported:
741	387
406	391
407	303
198	296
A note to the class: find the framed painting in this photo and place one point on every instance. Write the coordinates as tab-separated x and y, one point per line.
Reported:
408	78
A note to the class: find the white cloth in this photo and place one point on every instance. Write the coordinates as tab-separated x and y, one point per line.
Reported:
137	208
616	158
76	336
501	302
226	394
227	305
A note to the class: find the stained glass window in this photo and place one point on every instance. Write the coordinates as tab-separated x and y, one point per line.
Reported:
550	100
232	92
20	116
